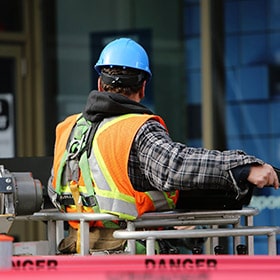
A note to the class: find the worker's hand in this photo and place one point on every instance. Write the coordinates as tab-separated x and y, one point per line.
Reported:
263	175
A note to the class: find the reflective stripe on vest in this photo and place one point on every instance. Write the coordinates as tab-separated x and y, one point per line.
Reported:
109	163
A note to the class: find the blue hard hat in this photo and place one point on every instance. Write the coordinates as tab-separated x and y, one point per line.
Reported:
126	53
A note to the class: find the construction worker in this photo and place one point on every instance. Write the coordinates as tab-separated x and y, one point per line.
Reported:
117	156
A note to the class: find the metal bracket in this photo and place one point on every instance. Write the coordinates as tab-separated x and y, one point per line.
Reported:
6	185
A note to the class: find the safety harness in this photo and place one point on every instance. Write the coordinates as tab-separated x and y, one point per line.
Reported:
78	189
75	165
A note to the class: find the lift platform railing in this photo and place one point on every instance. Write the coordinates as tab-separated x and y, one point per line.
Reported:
55	226
151	235
213	219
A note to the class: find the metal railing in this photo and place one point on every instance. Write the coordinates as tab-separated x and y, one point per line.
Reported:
151	235
214	219
149	221
55	226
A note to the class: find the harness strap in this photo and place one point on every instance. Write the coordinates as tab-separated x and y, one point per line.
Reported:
77	199
79	149
75	150
67	199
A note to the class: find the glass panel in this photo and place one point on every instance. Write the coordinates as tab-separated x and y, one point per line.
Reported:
11	19
7	90
7	70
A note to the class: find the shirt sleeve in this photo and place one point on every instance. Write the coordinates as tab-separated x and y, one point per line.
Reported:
169	165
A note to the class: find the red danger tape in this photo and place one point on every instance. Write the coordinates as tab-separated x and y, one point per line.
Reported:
145	267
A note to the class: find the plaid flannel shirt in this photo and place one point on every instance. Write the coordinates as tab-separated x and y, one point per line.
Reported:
156	162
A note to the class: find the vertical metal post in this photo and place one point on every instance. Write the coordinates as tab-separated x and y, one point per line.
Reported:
131	243
84	231
236	239
150	246
59	231
214	240
52	238
212	72
249	221
271	240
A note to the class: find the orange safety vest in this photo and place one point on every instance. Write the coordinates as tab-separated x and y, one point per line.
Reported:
108	164
62	133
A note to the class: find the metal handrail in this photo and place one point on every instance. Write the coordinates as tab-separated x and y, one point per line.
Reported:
56	215
55	221
211	218
151	235
247	211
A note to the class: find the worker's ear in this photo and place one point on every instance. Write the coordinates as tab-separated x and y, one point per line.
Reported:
142	90
99	86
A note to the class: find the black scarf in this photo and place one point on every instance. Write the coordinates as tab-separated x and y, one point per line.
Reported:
102	105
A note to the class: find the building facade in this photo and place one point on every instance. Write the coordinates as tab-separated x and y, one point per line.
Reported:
215	64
